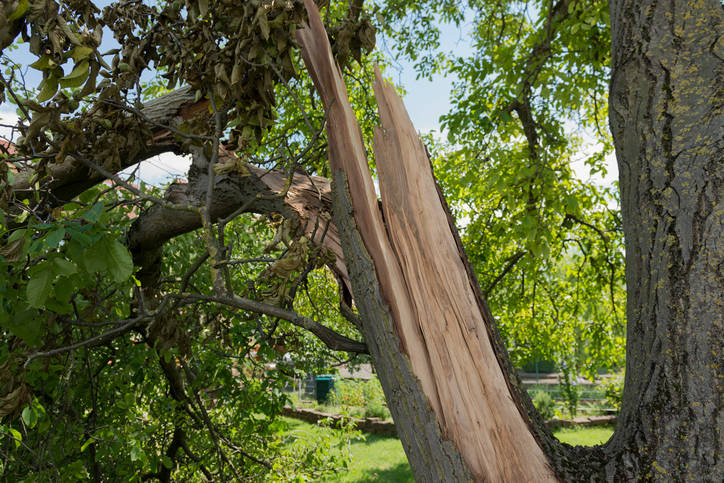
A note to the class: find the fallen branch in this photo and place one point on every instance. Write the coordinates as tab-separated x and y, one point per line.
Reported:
331	339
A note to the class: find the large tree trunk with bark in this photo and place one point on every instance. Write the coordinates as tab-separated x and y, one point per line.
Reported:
448	380
666	100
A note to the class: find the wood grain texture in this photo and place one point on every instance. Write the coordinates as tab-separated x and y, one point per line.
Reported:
476	407
347	153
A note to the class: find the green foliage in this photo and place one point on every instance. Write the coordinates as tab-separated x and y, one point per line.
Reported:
376	410
362	398
371	457
613	389
569	388
111	406
53	269
312	451
546	242
543	402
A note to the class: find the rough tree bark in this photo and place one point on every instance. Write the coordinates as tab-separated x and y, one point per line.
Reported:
666	100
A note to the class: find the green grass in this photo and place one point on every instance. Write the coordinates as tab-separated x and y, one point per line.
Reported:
380	458
376	458
584	436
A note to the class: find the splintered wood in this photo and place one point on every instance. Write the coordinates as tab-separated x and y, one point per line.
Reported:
310	197
423	277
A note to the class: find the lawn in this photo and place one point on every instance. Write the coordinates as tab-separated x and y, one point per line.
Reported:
380	458
584	436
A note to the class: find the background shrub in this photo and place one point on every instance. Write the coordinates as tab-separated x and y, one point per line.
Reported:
543	402
613	389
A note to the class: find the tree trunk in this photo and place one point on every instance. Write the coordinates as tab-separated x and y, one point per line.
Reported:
666	118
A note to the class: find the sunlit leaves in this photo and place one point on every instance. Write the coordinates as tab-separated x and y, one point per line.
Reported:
547	245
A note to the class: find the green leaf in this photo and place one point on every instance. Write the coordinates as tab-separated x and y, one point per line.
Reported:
17	234
136	453
79	237
64	268
109	256
27	325
167	462
48	89
72	83
86	444
21	217
58	307
53	238
80	70
16	436
19	11
41	281
94	258
30	417
63	291
94	213
81	52
43	63
77	77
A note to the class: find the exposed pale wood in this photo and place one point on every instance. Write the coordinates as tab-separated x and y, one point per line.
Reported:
347	153
310	197
423	278
476	407
432	458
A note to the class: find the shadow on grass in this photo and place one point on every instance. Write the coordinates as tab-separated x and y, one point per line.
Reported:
397	474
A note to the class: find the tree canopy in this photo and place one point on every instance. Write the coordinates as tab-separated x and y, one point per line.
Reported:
145	329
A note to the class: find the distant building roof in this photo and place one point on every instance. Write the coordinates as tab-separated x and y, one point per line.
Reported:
6	147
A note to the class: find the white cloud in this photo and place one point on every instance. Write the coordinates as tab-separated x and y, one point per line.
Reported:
161	169
8	118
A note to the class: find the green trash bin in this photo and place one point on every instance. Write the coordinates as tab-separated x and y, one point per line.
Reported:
325	385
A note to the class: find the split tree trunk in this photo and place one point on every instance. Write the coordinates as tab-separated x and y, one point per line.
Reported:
426	308
449	383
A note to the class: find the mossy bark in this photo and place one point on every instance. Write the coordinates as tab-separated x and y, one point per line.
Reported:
667	94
